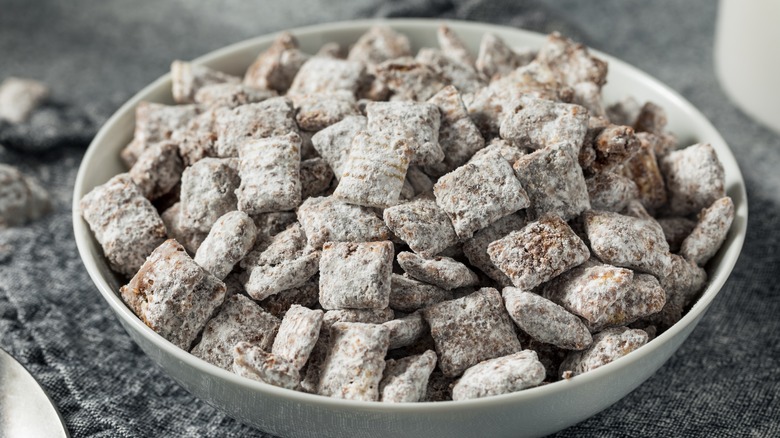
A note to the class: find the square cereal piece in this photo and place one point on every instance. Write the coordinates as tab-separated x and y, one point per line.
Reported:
190	239
588	95
19	97
459	137
334	142
614	145
379	44
506	149
651	118
406	331
125	223
238	320
156	122
158	169
406	380
329	219
173	295
230	95
464	77
409	79
409	295
269	118
539	252
631	242
553	179
253	363
297	335
356	275
475	249
608	346
624	112
316	177
286	245
445	272
262	281
207	192
496	59
538	123
501	375
196	142
610	192
276	68
320	75
229	240
306	295
545	321
188	78
422	225
471	329
479	193
454	47
270	172
642	168
375	171
694	178
356	361
314	112
571	62
710	232
416	124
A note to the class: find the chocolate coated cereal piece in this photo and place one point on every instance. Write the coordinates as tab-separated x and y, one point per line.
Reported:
571	62
409	79
453	46
682	286
506	149
188	238
379	44
676	229
269	118
375	171
610	192
207	192
270	174
624	112
475	248
609	345
173	295
629	242
231	237
276	67
694	178
537	123
19	97
125	223
501	375
539	252
642	168
710	232
253	363
305	295
188	78
356	275
416	124
196	142
588	95
21	197
496	59
158	169
406	380
651	118
231	95
239	320
318	111
545	321
479	193
463	76
422	225
407	330
263	281
155	122
334	142
320	75
444	272
271	224
554	182
328	219
297	335
316	176
459	137
287	245
644	297
614	146
355	363
471	329
408	294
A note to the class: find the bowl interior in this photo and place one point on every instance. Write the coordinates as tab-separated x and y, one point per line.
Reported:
101	162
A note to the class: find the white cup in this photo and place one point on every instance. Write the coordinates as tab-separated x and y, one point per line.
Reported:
747	57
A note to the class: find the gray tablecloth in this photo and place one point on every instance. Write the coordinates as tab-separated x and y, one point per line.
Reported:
95	54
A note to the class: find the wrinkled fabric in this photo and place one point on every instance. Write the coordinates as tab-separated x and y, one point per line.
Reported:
94	55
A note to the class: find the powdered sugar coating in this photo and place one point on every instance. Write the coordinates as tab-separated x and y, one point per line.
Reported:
188	78
642	298
610	192
588	95
305	295
475	248
167	279
207	192
253	363
505	148
496	59
416	124
320	74
156	122
608	346
409	79
407	330
265	280
297	335
355	363
502	375
643	169
682	286
19	97
453	46
545	321
631	242
125	223
538	123
444	272
422	225
269	118
471	329
379	44
356	275
270	174
613	146
479	193
539	252
334	142
694	178
314	112
405	380
190	239
158	169
408	294
328	219
554	182
710	232
276	68
571	62
229	240
453	71
238	320
231	95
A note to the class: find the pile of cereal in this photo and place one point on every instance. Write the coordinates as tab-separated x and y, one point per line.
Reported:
370	225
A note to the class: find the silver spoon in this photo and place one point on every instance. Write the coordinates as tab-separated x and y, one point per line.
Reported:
25	409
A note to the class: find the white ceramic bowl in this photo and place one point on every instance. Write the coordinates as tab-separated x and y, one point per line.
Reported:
532	412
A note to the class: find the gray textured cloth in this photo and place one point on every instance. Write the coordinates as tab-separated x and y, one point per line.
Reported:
94	55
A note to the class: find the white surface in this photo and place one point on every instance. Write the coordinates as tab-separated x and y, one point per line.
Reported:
532	412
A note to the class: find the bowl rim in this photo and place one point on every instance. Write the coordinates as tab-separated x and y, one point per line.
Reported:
83	234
